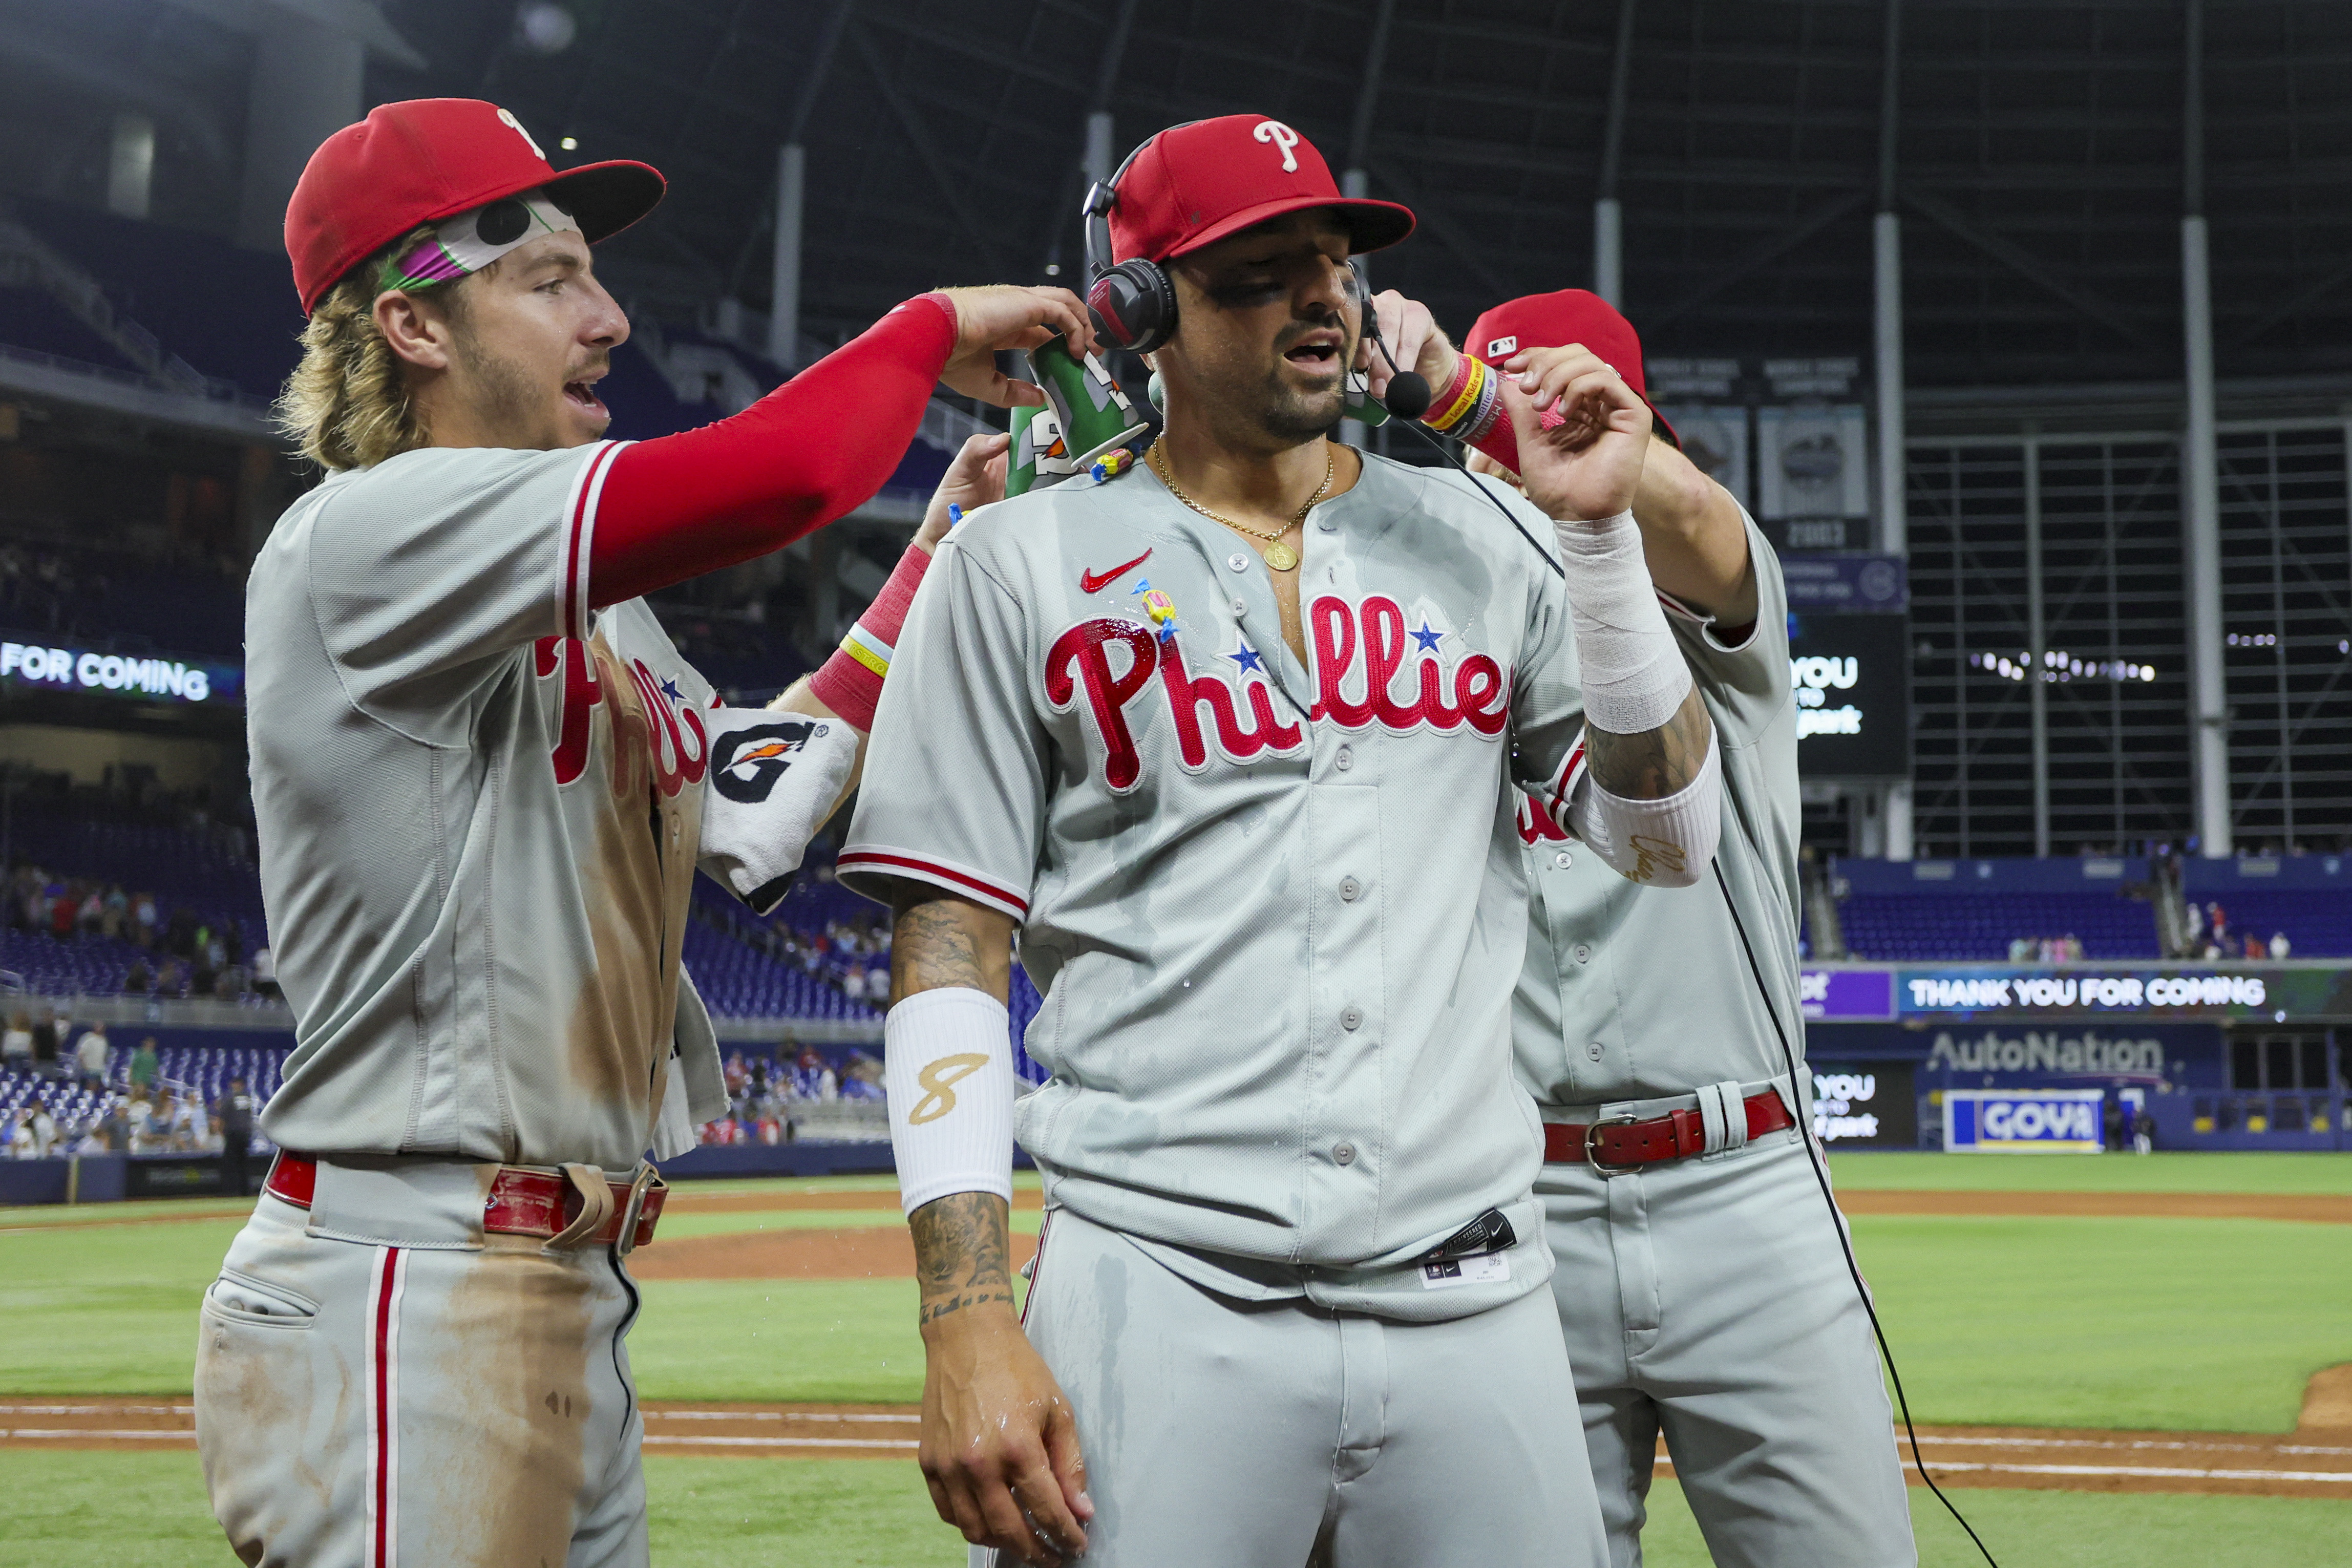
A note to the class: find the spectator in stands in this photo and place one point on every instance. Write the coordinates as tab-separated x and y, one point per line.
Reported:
93	917
2255	947
204	955
235	1109
265	972
112	1130
735	1075
11	1130
142	1066
16	1043
188	1125
142	920
118	910
2143	1132
62	909
171	980
45	1132
137	979
44	1047
91	1055
2279	946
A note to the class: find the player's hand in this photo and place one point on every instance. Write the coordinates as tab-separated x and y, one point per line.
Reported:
1000	1448
1589	465
1410	334
1004	316
975	479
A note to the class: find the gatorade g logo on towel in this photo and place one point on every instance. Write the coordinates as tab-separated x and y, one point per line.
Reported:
746	764
939	1080
1280	135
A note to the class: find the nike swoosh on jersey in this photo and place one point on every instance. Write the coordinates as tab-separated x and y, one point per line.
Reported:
1096	582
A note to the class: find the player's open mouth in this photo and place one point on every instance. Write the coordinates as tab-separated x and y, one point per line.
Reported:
1318	354
581	395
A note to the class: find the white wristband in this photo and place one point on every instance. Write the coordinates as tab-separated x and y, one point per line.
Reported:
1635	676
1657	843
947	1067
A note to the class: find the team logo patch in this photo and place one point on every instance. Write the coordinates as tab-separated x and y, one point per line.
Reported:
1509	345
746	764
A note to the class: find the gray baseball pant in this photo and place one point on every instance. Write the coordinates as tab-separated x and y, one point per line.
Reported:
411	1392
1706	1299
1250	1435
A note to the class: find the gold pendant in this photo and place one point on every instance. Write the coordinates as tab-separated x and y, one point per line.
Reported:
1280	556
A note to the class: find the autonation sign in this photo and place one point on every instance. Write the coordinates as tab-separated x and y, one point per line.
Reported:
172	681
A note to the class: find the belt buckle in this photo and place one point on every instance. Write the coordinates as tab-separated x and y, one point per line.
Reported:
626	1241
1593	1143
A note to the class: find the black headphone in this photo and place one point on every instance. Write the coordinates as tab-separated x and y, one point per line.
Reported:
1132	302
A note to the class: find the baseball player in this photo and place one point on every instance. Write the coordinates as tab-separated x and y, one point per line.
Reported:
1701	1288
483	781
1235	738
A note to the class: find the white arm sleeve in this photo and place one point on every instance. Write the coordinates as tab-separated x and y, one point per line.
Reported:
947	1069
1660	843
1634	676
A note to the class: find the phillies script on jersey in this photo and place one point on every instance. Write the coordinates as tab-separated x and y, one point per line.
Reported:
1370	668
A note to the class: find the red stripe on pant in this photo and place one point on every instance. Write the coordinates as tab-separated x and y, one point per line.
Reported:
383	1391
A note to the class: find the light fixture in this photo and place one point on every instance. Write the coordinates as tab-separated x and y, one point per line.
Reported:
569	144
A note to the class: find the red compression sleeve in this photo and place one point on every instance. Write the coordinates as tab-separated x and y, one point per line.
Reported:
813	449
850	683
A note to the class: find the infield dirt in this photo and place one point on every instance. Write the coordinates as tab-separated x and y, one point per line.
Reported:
2315	1461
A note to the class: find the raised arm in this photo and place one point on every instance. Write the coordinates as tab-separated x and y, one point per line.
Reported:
812	450
1000	1448
1652	807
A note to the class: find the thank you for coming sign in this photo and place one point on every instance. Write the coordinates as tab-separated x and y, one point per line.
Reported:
2009	1121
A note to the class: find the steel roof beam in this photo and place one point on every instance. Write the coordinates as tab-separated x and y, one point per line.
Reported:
2027	266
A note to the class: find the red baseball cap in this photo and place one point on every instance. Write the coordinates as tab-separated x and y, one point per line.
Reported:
429	158
1555	319
1194	184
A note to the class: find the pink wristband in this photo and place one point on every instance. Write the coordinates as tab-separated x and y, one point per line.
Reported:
850	683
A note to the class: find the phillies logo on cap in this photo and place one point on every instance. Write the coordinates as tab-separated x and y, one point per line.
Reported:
1282	136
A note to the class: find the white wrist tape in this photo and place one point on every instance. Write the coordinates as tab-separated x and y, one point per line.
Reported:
1658	843
947	1069
1635	676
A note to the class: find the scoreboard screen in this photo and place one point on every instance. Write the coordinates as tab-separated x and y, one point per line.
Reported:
1852	677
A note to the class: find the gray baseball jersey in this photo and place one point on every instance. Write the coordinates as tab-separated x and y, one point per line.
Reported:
1275	911
481	810
1632	992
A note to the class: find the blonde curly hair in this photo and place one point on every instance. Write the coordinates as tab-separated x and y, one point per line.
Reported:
347	405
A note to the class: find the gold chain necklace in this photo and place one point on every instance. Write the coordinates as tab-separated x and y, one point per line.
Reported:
1278	555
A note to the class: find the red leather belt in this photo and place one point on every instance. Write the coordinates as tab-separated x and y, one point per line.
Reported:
522	1201
1623	1141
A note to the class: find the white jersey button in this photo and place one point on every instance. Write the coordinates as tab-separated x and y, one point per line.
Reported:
1349	888
1594	1050
1583	953
1237	561
1344	1152
1327	524
1240	609
1563	859
1352	1018
1345	760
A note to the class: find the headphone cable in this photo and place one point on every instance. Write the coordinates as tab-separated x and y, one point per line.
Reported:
1837	1218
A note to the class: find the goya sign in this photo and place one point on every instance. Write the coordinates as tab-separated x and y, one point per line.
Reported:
1999	1121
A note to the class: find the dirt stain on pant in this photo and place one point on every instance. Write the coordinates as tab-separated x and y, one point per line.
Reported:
495	1469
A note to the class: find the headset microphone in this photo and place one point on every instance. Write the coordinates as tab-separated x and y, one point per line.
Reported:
1408	394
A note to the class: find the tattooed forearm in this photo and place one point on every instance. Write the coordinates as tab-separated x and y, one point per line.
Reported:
961	1254
1655	763
939	940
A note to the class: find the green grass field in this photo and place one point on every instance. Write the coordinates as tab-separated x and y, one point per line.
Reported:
148	1510
2320	1174
2194	1323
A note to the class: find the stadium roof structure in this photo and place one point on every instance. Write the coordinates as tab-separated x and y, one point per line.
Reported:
2041	152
